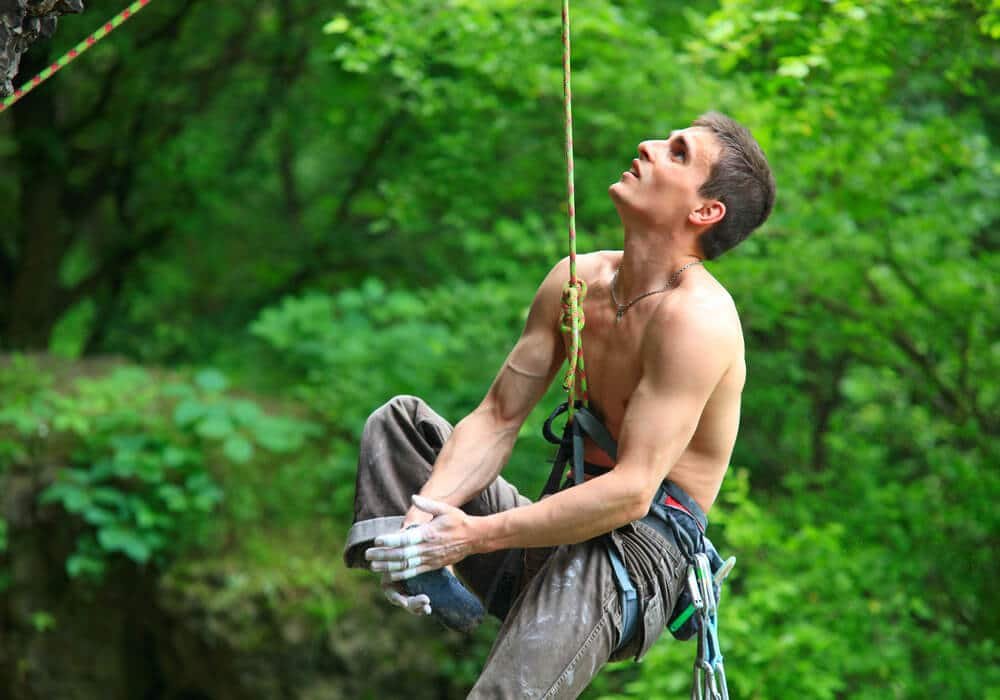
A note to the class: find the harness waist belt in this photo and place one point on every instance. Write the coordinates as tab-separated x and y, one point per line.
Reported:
669	495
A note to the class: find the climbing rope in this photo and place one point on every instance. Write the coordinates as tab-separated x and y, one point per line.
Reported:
106	29
709	682
572	320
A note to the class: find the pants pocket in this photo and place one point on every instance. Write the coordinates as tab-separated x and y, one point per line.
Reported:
653	623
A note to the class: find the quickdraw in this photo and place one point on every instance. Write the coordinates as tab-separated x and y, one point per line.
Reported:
709	682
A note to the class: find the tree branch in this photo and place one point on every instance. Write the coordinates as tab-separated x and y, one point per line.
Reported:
826	398
909	347
169	29
915	289
110	266
289	186
286	71
363	174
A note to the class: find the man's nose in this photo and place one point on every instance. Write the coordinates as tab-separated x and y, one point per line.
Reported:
647	149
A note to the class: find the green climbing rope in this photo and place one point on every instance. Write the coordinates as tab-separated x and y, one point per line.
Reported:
575	290
67	57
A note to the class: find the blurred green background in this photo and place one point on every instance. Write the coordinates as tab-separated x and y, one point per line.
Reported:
231	230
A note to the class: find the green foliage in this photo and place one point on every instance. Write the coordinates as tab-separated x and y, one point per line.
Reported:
26	411
373	342
345	354
392	193
42	621
139	454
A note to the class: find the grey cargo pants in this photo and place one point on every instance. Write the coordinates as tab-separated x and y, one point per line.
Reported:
566	619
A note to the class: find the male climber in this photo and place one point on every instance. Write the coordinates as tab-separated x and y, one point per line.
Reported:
665	366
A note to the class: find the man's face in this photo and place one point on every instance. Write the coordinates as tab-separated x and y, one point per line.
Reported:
661	188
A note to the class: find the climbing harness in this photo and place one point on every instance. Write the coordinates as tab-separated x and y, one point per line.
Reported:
676	517
67	57
699	605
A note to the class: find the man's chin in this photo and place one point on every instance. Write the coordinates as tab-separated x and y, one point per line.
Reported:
618	193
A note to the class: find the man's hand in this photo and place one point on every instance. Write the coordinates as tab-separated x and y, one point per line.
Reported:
447	539
415	517
394	593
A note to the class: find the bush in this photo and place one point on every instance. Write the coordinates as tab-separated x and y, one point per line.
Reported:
139	454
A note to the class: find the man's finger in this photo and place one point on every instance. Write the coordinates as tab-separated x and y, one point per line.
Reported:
403	538
417	604
411	572
390	553
395	597
396	564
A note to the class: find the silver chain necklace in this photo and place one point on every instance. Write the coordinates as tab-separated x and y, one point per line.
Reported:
622	308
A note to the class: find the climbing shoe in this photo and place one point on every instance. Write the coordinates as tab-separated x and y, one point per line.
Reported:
452	604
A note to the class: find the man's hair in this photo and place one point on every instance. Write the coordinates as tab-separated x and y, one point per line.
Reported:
741	179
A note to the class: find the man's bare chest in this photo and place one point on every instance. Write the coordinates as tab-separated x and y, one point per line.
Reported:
613	365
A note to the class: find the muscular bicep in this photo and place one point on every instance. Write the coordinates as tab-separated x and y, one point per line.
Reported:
683	361
532	364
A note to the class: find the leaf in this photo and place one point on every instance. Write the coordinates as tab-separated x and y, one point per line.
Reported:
238	449
125	541
215	427
174	497
42	621
211	380
245	412
793	68
337	25
188	411
174	456
81	564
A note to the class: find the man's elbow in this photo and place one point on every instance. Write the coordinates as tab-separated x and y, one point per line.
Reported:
640	498
641	492
639	509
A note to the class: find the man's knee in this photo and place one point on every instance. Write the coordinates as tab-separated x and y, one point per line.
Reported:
398	408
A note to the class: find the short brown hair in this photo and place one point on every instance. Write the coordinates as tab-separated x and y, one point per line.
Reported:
741	179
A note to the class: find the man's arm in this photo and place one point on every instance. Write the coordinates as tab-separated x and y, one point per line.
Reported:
481	443
684	356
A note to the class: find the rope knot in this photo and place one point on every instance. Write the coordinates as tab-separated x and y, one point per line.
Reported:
571	323
572	306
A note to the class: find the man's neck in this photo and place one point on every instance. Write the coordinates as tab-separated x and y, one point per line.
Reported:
649	259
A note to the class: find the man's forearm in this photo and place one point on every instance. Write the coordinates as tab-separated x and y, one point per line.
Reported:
573	515
471	459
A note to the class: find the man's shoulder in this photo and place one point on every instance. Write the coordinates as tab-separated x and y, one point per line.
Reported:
706	313
590	263
590	267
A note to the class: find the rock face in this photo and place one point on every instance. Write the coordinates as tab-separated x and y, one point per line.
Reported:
195	632
22	22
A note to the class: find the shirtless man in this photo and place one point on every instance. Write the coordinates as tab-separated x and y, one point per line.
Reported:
665	365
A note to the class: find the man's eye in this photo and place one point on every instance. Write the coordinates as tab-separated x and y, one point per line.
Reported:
680	155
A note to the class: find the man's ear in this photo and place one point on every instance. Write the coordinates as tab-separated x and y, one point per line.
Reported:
710	212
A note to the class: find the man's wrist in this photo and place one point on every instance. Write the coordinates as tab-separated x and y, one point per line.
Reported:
415	516
484	529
